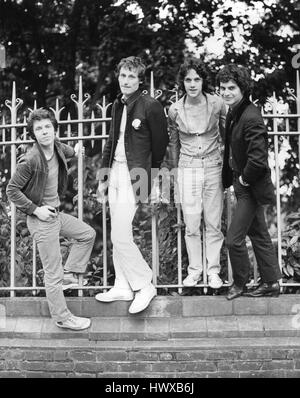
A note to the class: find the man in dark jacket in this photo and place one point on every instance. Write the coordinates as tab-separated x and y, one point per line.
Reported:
246	167
35	188
131	159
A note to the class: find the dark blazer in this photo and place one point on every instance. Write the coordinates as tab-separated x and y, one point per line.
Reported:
145	145
247	135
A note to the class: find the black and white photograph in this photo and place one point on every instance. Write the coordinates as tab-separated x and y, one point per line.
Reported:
149	192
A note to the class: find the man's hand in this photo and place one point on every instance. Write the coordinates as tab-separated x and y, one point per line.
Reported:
77	149
45	213
100	194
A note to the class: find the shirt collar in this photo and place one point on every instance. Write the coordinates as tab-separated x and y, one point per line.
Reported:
131	99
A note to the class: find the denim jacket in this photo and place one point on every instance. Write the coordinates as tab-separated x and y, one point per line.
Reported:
26	187
184	142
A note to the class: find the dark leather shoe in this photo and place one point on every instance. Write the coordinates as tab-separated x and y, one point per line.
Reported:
265	290
235	291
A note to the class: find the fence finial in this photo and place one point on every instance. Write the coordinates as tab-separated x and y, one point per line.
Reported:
298	90
151	84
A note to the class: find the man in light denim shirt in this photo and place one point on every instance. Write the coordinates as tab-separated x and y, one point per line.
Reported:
196	124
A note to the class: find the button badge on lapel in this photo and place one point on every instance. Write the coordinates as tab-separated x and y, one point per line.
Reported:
136	124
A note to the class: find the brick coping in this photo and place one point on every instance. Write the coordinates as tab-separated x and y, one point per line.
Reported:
161	306
156	329
173	344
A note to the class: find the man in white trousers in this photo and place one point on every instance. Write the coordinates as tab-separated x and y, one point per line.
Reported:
132	156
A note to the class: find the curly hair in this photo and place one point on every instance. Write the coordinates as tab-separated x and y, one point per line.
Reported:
40	114
199	68
130	63
239	74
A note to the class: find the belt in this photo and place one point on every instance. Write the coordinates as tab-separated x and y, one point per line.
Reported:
201	156
213	152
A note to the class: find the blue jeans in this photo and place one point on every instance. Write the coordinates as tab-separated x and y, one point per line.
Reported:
201	191
46	234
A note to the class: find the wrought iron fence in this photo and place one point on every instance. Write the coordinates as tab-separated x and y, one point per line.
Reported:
13	134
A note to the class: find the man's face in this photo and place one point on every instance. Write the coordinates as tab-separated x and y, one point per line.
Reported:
193	84
44	132
129	81
231	93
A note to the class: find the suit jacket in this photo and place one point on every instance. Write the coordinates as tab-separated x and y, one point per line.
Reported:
247	135
145	145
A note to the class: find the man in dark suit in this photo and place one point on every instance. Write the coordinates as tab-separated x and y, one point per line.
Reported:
131	159
246	167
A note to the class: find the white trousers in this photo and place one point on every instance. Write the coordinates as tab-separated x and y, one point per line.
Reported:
131	270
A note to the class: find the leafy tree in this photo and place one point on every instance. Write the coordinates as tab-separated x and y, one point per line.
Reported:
263	36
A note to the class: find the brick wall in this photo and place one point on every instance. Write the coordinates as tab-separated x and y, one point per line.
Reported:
198	363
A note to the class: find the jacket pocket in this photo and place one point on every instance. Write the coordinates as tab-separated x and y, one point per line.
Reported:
263	190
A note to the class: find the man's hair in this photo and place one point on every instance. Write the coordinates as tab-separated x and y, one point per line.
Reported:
132	63
40	114
238	74
199	68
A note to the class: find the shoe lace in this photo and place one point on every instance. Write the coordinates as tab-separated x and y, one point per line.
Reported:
73	319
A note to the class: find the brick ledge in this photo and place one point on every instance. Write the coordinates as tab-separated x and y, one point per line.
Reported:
161	306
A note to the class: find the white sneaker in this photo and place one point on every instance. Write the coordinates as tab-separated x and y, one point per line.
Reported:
71	280
74	323
214	281
142	299
191	280
115	294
